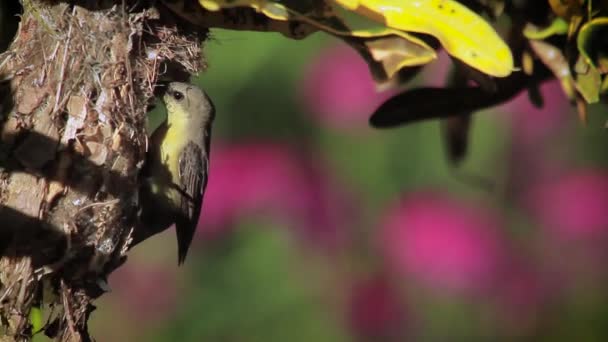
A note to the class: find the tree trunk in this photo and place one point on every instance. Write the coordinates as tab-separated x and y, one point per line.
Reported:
76	82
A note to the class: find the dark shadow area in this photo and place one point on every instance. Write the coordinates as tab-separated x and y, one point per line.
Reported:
23	233
80	172
9	22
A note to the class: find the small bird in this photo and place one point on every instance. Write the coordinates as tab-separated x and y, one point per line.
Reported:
177	166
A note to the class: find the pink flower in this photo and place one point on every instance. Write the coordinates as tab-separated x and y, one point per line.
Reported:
147	292
339	88
442	242
573	205
264	178
375	309
251	177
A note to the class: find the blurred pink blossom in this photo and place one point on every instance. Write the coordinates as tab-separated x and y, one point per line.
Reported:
270	179
443	242
375	309
573	205
147	292
339	88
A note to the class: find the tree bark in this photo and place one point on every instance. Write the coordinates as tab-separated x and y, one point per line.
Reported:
76	82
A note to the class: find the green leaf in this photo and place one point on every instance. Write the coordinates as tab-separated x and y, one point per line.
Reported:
557	26
592	41
588	80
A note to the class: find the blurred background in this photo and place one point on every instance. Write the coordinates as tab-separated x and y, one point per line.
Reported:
316	227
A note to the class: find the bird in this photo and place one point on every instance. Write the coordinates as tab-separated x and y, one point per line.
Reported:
177	166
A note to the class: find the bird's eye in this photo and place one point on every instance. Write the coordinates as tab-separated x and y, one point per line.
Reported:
177	95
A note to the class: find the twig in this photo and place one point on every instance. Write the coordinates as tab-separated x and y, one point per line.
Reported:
68	311
63	64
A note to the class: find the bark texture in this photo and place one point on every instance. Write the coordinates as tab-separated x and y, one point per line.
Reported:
75	82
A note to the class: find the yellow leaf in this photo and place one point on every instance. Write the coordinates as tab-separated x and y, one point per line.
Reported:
210	5
393	50
271	9
463	34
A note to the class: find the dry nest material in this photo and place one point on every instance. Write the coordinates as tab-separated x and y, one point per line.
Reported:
76	82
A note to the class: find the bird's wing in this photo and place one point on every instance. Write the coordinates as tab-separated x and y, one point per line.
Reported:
193	167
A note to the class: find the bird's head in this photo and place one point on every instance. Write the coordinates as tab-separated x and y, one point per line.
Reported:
187	100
